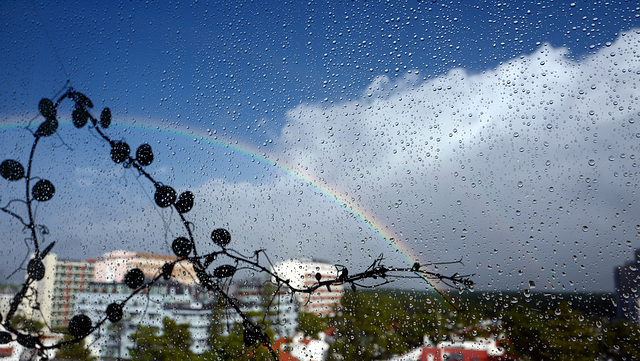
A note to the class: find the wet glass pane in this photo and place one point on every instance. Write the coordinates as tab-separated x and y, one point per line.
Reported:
357	179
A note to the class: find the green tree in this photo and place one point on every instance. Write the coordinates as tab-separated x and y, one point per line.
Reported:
232	347
563	334
75	351
366	327
174	342
311	324
229	344
426	316
29	325
620	341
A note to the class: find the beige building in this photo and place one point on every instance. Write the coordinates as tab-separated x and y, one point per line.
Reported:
52	300
113	266
302	274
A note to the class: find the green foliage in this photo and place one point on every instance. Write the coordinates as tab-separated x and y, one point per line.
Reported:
229	345
23	323
560	334
621	341
367	327
172	344
76	351
311	324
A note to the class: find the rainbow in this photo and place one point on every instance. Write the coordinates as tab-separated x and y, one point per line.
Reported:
376	228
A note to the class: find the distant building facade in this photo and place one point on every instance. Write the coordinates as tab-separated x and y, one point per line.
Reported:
113	266
182	303
56	293
627	282
252	298
302	274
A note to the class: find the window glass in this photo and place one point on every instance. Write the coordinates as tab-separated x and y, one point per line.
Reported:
490	140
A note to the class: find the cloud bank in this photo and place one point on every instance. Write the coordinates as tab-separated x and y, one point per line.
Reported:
527	171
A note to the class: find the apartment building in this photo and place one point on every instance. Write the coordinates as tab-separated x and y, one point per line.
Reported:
55	294
302	274
113	266
183	303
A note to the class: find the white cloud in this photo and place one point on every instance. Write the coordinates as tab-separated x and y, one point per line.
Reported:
495	166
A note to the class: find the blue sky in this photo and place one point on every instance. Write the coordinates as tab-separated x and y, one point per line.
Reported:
454	127
237	64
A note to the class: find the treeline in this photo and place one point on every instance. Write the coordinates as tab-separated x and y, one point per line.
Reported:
378	324
530	326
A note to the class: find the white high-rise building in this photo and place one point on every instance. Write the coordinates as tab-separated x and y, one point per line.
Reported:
302	274
55	294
